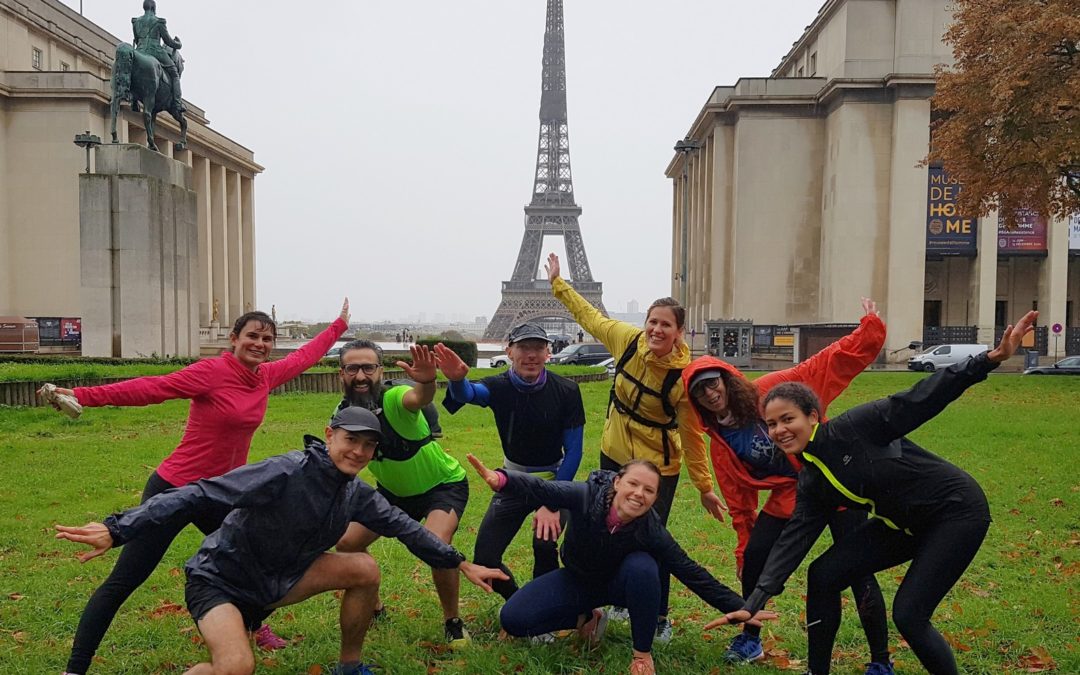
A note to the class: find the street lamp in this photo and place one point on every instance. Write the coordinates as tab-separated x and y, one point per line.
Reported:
686	146
87	140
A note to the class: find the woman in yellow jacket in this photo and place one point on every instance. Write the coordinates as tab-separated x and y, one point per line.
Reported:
642	424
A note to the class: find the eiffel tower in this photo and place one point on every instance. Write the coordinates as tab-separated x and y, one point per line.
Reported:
552	210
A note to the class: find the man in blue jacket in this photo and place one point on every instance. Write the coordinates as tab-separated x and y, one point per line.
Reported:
271	550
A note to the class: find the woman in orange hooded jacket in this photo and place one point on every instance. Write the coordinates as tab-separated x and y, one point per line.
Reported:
746	462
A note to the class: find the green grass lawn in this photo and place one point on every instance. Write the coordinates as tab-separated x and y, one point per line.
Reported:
1018	606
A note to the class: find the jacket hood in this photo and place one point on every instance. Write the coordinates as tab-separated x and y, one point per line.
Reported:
699	364
679	357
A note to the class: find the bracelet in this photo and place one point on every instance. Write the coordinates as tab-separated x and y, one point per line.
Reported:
432	380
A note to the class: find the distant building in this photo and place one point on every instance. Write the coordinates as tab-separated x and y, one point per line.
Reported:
632	307
55	67
807	193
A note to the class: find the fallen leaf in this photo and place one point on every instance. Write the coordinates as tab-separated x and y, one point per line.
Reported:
1057	501
166	608
1037	660
315	670
15	596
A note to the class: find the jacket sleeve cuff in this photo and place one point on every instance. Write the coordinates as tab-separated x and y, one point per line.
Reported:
756	602
112	525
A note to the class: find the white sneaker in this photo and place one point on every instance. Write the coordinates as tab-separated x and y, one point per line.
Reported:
542	639
62	402
664	631
618	613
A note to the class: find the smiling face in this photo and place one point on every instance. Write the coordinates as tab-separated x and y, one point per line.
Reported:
253	344
351	450
662	330
711	395
635	492
789	427
529	357
361	376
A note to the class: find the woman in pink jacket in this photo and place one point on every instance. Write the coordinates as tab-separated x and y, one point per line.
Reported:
228	398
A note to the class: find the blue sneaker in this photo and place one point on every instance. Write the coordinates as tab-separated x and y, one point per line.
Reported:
352	669
745	648
877	668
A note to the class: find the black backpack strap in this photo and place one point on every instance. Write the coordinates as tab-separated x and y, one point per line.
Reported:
620	369
664	395
395	447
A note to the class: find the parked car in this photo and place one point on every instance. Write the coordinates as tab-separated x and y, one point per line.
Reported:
609	365
333	353
1069	365
500	361
582	354
941	356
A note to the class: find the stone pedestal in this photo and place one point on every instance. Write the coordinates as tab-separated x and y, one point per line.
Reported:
139	252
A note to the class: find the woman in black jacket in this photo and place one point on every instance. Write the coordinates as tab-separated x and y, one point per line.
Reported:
922	508
613	544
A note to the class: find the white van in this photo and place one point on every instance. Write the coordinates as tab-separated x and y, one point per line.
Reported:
942	356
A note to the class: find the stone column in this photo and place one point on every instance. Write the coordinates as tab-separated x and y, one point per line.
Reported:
1054	283
247	201
984	274
234	210
137	219
200	169
903	307
219	244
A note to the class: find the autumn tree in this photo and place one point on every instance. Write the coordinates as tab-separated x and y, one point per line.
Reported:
1007	113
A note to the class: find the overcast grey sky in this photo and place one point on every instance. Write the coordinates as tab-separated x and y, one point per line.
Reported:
399	138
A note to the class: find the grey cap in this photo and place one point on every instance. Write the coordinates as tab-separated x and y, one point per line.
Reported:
355	418
528	331
704	376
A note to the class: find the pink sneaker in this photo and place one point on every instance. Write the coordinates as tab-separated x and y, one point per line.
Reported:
265	639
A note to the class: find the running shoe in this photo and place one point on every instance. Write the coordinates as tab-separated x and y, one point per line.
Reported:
878	668
745	648
618	614
456	635
62	402
352	669
542	639
664	631
265	639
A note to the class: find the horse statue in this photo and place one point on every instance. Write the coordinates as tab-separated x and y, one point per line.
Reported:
140	79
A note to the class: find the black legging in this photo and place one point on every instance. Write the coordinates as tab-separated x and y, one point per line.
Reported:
939	554
503	519
868	600
662	506
136	562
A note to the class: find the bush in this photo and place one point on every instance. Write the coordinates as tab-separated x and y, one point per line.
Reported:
390	360
47	360
463	348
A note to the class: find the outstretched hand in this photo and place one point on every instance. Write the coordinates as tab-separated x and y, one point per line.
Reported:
1012	337
94	535
344	316
870	307
547	524
451	365
489	476
552	267
741	616
423	366
482	576
713	504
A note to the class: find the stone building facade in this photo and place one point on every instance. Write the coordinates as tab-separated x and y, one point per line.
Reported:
808	192
54	83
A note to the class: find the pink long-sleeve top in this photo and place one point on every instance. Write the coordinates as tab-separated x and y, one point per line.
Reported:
228	403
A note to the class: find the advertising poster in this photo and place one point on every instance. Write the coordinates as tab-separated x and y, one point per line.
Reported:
1029	237
947	232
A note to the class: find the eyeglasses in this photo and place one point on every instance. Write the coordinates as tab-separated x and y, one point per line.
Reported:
706	385
354	368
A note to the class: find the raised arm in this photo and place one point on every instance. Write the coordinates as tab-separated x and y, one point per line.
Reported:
555	494
831	370
459	391
251	485
280	372
615	335
192	381
887	419
422	373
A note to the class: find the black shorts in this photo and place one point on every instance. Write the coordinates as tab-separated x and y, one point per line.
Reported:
201	597
449	497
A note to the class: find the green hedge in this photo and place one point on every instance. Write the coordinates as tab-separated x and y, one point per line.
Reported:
44	359
463	348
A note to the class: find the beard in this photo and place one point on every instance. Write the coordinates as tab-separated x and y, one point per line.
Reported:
369	399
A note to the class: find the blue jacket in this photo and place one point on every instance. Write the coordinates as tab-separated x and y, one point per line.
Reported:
287	511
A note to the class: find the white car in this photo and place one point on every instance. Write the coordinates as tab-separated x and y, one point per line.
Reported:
500	361
609	364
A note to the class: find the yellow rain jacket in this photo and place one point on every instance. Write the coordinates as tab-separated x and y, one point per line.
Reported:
623	438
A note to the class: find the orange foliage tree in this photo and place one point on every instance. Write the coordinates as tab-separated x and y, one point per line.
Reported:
1007	114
